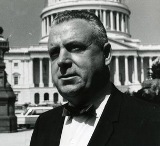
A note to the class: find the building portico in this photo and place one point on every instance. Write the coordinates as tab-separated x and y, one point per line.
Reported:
29	68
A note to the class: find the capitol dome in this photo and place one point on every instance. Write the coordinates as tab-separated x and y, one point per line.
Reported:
114	15
52	2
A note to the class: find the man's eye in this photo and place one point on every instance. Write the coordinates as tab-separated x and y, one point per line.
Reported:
54	54
76	48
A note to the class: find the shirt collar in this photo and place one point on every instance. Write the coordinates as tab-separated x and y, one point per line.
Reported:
100	105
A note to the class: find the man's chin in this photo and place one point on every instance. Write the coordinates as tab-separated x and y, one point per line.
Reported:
70	91
76	96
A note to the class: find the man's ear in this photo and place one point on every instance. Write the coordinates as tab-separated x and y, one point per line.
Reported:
107	53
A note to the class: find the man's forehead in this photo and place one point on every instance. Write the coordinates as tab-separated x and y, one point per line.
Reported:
73	20
77	28
78	24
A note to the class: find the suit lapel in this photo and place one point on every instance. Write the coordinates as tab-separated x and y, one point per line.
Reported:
104	129
57	128
101	134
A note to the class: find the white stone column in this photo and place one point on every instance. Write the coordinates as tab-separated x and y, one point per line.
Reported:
111	20
104	18
135	70
22	73
41	84
101	15
116	75
126	23
26	72
142	70
122	22
31	72
108	19
150	62
96	12
42	28
47	25
117	21
50	74
126	71
51	19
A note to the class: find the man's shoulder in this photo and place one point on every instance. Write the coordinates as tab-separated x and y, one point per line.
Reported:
52	114
134	106
141	108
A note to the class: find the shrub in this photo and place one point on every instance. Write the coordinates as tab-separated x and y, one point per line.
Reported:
156	68
150	88
150	91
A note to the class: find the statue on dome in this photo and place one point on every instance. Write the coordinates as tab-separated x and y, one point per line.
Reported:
1	30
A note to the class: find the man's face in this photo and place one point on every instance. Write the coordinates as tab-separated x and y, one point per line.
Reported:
78	63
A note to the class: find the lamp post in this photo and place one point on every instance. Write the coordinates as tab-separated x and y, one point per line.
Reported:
8	120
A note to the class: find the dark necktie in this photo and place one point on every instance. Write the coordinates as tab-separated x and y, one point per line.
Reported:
73	111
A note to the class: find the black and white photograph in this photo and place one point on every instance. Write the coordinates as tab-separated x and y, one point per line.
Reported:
79	73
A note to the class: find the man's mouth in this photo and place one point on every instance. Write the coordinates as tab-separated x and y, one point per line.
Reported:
67	76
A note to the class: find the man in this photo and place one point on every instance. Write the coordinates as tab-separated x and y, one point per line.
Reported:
97	114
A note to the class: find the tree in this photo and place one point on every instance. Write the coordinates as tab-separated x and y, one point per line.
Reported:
151	87
156	68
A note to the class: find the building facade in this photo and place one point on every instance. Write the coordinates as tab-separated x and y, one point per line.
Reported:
29	69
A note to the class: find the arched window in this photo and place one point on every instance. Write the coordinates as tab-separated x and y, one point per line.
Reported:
16	77
36	98
55	97
46	96
15	80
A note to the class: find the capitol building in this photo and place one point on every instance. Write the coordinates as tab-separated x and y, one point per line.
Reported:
29	69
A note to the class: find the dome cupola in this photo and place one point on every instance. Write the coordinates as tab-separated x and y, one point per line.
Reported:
114	14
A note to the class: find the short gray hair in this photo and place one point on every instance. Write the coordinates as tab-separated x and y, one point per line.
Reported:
85	15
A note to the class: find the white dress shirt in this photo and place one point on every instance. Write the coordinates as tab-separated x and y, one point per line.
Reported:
78	130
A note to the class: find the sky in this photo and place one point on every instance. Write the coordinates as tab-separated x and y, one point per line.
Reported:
21	21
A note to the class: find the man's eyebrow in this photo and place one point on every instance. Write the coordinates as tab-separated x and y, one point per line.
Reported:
75	43
53	46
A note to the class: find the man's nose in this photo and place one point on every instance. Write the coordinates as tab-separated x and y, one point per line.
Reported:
64	59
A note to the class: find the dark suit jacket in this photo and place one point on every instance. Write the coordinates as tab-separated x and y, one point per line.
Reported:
125	121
